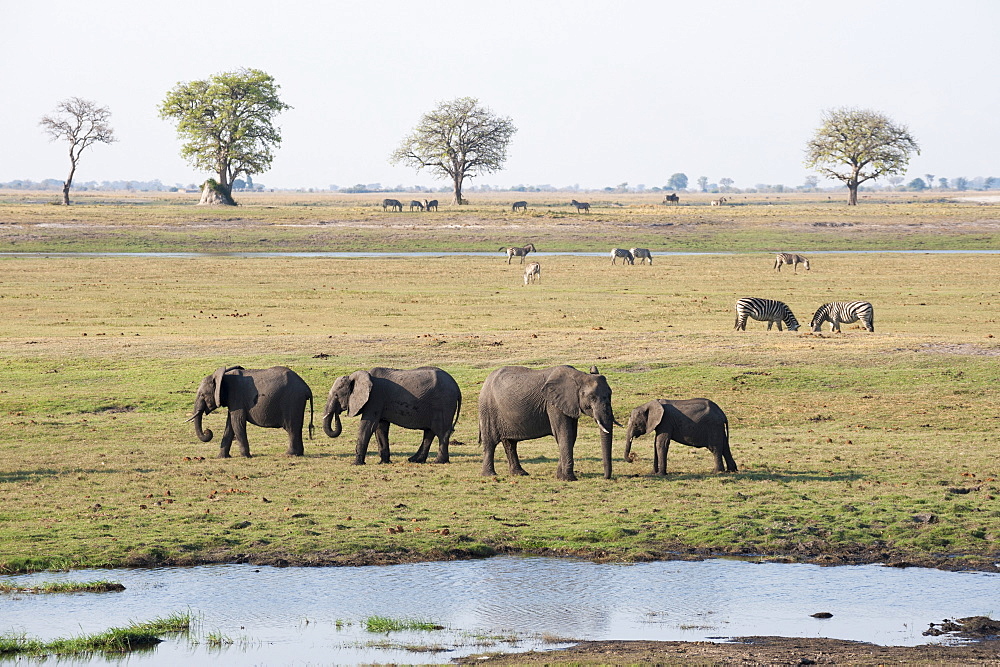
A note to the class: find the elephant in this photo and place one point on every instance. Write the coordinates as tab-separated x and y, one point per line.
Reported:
425	398
270	397
696	422
518	403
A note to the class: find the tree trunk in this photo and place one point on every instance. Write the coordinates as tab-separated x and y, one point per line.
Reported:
66	187
68	183
458	201
852	197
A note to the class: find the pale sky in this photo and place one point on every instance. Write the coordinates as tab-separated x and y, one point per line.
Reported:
602	92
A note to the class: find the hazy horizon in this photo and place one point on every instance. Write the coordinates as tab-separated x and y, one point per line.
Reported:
601	94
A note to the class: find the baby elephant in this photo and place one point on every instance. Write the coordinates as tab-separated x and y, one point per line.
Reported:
696	422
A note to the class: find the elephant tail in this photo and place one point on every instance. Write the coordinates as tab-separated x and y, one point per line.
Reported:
310	417
458	411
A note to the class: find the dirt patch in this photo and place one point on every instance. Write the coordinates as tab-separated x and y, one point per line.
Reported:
961	348
751	651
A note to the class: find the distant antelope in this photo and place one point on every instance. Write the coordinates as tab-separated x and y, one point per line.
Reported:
519	206
521	252
626	256
580	206
532	273
719	202
789	258
641	254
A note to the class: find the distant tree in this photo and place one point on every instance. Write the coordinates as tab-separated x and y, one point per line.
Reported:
459	139
678	181
726	183
811	182
894	181
80	123
961	183
858	145
930	181
943	183
992	183
227	124
702	183
917	184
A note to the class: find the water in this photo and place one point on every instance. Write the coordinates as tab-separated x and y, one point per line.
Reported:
290	615
383	255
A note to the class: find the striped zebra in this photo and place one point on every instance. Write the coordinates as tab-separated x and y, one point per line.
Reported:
767	310
844	312
641	254
521	252
532	273
789	258
580	206
626	256
519	206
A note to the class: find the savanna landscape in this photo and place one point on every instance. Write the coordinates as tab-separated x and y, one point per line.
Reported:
854	447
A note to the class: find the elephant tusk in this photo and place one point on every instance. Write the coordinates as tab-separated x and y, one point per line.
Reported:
604	429
190	419
617	424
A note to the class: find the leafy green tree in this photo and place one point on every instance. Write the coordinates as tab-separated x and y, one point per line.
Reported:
703	183
858	145
459	139
227	125
678	181
81	123
726	184
917	184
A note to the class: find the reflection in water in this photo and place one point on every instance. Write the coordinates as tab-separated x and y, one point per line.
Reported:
286	615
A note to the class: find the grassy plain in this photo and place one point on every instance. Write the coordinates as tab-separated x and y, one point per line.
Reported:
854	447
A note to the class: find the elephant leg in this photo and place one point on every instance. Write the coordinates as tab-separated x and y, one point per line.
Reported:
661	446
425	447
227	440
717	452
382	438
238	421
565	433
365	431
513	462
295	447
443	440
728	456
489	453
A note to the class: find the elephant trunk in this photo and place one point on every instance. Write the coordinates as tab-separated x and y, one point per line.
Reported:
335	431
203	435
606	452
628	447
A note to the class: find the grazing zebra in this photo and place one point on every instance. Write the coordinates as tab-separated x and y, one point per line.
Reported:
580	206
789	258
764	309
432	204
532	273
641	254
626	256
844	312
719	202
672	198
519	206
521	252
416	204
393	204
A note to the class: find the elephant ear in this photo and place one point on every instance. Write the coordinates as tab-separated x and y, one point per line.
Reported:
654	416
564	393
217	379
361	389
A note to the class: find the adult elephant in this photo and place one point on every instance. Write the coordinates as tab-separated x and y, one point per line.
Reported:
270	397
518	403
425	398
696	422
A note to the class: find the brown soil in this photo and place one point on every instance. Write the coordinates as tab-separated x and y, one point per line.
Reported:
750	651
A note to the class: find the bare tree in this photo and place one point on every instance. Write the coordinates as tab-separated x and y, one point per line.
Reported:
930	181
457	140
857	145
80	123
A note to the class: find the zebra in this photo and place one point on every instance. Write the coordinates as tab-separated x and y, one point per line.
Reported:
532	273
392	204
672	198
519	205
789	258
519	252
719	202
764	309
846	312
641	254
416	204
432	204
626	256
580	206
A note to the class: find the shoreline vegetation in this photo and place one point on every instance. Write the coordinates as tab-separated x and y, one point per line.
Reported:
852	447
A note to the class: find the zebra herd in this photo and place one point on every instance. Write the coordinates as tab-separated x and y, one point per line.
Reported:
777	312
629	256
396	205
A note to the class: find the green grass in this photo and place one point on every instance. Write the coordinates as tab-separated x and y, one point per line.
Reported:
114	640
852	447
63	587
385	624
